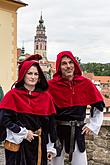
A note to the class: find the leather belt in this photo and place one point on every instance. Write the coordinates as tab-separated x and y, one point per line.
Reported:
72	124
38	132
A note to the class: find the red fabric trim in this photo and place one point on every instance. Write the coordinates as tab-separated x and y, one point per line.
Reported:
79	92
39	103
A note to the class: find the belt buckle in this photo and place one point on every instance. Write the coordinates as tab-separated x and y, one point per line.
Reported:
72	123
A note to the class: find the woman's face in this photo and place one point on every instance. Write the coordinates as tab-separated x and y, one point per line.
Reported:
31	78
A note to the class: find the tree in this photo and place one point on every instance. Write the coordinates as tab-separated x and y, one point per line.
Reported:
97	68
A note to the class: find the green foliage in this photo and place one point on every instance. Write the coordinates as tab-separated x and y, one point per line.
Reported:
78	59
1	93
107	96
97	68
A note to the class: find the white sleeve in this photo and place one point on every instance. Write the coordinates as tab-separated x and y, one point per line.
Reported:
95	122
50	148
16	138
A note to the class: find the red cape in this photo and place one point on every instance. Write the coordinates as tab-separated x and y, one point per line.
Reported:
19	100
78	92
39	103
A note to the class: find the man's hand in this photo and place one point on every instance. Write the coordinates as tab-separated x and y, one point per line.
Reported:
86	130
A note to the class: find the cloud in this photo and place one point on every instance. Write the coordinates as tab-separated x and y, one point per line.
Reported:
80	26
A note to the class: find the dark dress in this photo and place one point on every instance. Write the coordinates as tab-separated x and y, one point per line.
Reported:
75	113
28	153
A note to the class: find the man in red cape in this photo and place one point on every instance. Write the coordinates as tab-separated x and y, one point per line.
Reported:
72	93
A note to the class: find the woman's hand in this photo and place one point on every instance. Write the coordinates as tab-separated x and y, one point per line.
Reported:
30	135
86	130
49	156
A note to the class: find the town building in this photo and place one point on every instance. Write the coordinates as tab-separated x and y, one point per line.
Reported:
40	40
101	82
40	47
8	41
103	85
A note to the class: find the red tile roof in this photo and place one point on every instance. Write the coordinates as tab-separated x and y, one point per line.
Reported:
101	79
89	75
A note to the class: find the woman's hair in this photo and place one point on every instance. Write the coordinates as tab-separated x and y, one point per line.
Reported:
41	85
42	82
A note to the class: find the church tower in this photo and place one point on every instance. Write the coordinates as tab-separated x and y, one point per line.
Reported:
40	40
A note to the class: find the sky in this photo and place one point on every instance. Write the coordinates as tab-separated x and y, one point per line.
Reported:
80	26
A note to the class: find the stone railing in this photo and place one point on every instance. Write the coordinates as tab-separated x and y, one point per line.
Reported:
98	147
2	155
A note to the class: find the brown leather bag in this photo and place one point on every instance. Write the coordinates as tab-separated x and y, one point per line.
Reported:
11	146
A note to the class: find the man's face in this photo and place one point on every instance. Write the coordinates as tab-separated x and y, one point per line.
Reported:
67	68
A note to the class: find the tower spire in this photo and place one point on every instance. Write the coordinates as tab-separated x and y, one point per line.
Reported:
40	40
41	20
40	47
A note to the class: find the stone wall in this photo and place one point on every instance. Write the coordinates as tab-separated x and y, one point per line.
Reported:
2	155
98	147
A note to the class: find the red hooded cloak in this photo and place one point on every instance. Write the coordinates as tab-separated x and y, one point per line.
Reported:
78	92
19	100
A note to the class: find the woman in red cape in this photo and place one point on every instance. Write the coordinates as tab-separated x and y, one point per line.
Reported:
27	114
72	93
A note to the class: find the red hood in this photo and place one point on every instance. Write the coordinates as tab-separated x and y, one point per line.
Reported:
77	71
24	67
78	92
